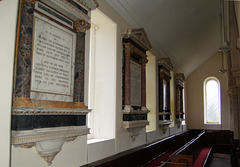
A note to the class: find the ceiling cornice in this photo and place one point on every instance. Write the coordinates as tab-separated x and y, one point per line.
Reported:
119	7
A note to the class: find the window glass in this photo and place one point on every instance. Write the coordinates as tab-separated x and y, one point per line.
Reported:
212	101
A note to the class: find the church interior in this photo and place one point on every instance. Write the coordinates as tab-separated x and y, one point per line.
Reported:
128	83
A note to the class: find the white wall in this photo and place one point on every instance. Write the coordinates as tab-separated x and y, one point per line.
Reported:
195	106
151	90
8	17
104	92
100	149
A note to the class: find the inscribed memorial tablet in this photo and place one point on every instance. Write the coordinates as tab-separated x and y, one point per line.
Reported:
135	84
53	56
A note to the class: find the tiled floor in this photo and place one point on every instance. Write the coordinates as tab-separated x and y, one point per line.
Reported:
219	160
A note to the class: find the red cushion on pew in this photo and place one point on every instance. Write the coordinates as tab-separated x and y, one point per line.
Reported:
158	161
199	162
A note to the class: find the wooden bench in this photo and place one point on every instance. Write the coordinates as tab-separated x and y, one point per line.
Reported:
193	154
178	145
143	155
151	155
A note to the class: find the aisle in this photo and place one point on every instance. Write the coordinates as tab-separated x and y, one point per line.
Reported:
219	160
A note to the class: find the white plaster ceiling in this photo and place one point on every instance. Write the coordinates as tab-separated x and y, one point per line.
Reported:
187	31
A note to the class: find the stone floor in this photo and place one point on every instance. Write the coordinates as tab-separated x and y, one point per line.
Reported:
219	160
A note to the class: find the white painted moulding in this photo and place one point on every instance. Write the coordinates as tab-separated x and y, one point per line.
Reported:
134	124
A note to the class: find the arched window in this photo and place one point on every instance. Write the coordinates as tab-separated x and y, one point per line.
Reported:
212	102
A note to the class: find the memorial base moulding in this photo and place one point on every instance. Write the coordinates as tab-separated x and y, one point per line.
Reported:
164	120
179	119
47	129
134	120
47	141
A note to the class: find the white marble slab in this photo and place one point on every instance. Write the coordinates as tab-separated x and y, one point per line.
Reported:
53	61
135	69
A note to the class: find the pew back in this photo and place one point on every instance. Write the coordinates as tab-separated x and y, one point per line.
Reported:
144	155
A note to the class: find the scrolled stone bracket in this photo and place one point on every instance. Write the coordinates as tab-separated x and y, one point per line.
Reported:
134	121
165	120
164	125
179	122
134	132
48	142
134	127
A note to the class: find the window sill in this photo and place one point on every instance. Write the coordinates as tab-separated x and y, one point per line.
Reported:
213	126
92	141
150	130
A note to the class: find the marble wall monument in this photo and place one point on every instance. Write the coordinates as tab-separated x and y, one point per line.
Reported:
164	76
179	82
48	97
135	45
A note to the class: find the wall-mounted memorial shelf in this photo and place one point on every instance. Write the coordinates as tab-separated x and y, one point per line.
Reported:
179	81
48	99
164	76
135	45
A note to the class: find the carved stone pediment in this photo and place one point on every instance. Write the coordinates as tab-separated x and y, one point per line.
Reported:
166	62
139	36
179	78
76	9
90	4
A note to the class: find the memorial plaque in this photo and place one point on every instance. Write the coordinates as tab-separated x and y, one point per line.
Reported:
135	84
53	60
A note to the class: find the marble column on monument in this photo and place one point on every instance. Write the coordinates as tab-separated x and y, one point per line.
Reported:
81	27
143	84
179	114
127	78
23	58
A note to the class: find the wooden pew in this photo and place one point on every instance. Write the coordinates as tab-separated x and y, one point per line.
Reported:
143	155
193	154
147	155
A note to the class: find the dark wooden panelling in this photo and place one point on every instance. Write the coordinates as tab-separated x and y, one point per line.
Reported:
141	156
